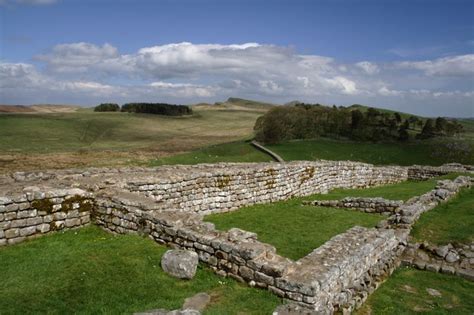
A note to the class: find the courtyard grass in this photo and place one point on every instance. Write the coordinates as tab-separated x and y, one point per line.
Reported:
399	191
405	292
295	230
449	222
89	271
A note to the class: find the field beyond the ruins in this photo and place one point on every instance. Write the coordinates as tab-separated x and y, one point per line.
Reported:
214	133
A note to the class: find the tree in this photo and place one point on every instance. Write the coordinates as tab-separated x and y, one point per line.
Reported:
398	118
107	107
428	130
440	125
403	131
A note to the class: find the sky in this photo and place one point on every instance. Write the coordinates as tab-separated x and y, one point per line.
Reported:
412	56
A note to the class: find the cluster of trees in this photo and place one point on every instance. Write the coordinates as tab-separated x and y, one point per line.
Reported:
147	108
107	107
306	121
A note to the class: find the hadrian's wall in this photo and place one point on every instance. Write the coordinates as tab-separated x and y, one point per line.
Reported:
34	213
168	204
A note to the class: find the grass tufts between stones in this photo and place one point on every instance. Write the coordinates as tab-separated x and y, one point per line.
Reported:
408	290
90	271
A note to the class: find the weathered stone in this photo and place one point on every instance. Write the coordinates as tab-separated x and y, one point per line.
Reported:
197	302
452	257
180	263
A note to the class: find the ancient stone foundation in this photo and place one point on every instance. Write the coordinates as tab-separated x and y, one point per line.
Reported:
168	203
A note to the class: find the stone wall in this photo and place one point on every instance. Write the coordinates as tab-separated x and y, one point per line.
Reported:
328	279
422	172
35	212
229	188
370	205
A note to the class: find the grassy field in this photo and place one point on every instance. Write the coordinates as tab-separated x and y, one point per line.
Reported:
405	292
425	153
89	271
449	222
87	138
295	230
227	152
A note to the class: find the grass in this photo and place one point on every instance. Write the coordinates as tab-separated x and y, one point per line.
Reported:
449	222
295	230
405	293
87	138
89	271
228	152
399	191
423	153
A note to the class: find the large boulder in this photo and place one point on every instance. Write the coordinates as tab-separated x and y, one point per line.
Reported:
180	263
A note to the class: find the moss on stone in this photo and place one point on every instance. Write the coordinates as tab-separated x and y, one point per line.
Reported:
223	181
45	205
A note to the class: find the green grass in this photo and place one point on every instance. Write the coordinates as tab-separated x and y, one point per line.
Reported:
89	271
400	191
424	153
449	222
294	230
85	129
228	152
405	293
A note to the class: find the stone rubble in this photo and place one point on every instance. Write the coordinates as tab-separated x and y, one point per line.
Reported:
369	205
181	264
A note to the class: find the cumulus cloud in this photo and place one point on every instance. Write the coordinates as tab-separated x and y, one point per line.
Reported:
462	65
368	67
186	72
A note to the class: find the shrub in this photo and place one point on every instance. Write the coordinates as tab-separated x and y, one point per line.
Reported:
107	107
157	109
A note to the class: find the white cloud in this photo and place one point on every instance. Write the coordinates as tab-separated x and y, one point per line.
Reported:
462	65
368	67
186	72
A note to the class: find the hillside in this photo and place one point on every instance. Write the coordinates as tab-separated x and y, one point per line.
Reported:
38	108
234	103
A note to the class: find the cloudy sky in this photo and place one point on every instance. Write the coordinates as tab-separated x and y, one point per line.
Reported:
414	56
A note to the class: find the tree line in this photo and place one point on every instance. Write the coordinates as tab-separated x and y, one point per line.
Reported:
146	108
307	121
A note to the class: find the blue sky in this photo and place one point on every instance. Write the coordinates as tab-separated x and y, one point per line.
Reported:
408	55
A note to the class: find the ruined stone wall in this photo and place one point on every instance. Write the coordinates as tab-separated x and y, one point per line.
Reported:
331	277
35	212
370	205
423	172
229	188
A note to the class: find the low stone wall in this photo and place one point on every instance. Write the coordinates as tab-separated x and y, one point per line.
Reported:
409	212
35	212
422	172
331	277
370	205
450	259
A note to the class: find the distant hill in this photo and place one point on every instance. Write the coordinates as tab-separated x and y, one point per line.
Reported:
38	108
234	103
363	108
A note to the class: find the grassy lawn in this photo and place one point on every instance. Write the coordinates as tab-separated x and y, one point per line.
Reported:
449	222
405	293
294	230
228	152
400	191
89	271
426	153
